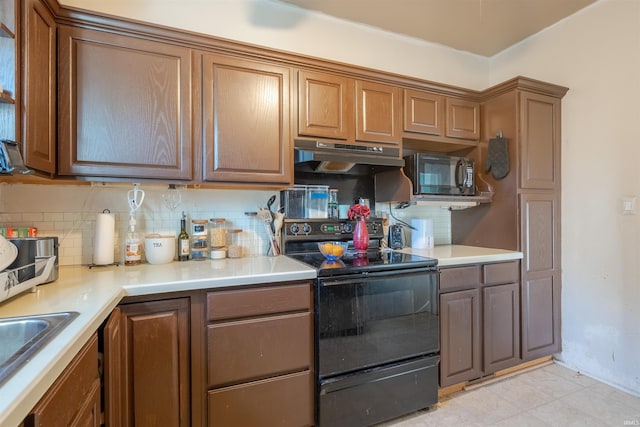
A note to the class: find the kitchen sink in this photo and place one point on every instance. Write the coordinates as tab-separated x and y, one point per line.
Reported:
22	337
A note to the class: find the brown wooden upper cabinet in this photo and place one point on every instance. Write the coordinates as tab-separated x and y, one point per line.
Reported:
124	106
540	141
246	121
39	94
331	106
430	114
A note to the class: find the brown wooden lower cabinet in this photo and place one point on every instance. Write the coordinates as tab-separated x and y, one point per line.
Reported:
479	320
232	357
74	398
260	356
147	364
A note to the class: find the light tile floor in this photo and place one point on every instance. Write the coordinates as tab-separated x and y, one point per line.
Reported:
551	395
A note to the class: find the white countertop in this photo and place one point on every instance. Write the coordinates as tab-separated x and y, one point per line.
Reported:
95	292
450	255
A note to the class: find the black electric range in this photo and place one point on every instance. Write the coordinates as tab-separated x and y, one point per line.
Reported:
301	237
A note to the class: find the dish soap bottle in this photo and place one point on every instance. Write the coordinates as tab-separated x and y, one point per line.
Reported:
132	249
183	240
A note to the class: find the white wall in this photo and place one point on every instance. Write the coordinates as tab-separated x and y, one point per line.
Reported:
285	27
596	53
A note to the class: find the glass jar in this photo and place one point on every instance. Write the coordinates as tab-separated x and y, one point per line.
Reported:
199	239
234	243
217	233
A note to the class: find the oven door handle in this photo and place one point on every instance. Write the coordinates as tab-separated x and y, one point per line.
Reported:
368	275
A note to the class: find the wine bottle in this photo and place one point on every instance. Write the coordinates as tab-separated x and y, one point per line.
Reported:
183	240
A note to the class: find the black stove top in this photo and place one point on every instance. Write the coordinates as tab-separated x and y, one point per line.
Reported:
357	263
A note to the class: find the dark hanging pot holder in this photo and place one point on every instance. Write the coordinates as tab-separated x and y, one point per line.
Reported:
498	157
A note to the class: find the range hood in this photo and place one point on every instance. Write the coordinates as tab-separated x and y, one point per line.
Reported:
341	158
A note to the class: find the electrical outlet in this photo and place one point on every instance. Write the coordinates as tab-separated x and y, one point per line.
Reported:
628	206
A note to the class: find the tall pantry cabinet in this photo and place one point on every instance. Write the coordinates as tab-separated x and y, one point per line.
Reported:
525	212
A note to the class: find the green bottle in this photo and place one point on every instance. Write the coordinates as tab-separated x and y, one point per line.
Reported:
183	240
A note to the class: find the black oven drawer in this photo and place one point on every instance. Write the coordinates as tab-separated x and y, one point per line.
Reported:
380	394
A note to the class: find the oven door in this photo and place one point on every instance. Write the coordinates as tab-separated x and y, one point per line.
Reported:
367	320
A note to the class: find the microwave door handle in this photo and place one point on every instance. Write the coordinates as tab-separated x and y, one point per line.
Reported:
460	175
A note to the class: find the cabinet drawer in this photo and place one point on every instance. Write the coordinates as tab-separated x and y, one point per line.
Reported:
504	272
258	348
459	277
72	392
280	401
257	301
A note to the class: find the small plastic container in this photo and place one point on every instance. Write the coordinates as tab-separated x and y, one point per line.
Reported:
294	201
234	244
317	201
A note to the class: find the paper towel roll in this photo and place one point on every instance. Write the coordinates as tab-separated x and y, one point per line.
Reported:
103	239
422	236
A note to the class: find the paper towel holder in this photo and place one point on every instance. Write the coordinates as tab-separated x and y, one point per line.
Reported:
115	263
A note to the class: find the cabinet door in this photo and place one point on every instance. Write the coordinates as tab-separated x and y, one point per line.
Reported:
540	274
155	365
378	113
124	106
539	141
39	133
424	112
74	398
501	326
463	119
246	121
460	337
325	105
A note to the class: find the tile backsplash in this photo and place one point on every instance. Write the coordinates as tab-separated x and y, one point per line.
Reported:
69	212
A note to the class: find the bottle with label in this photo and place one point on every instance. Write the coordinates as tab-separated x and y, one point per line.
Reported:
132	246
183	240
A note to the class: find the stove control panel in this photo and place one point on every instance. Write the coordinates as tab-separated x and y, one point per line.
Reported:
325	229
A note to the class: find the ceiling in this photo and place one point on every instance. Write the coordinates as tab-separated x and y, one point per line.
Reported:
483	27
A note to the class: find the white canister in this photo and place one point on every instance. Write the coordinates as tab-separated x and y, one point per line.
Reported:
422	236
159	249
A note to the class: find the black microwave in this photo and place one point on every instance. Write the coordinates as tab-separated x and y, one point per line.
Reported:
439	174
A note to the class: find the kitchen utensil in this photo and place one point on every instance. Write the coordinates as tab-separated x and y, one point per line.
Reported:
270	202
135	198
172	197
8	253
266	217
